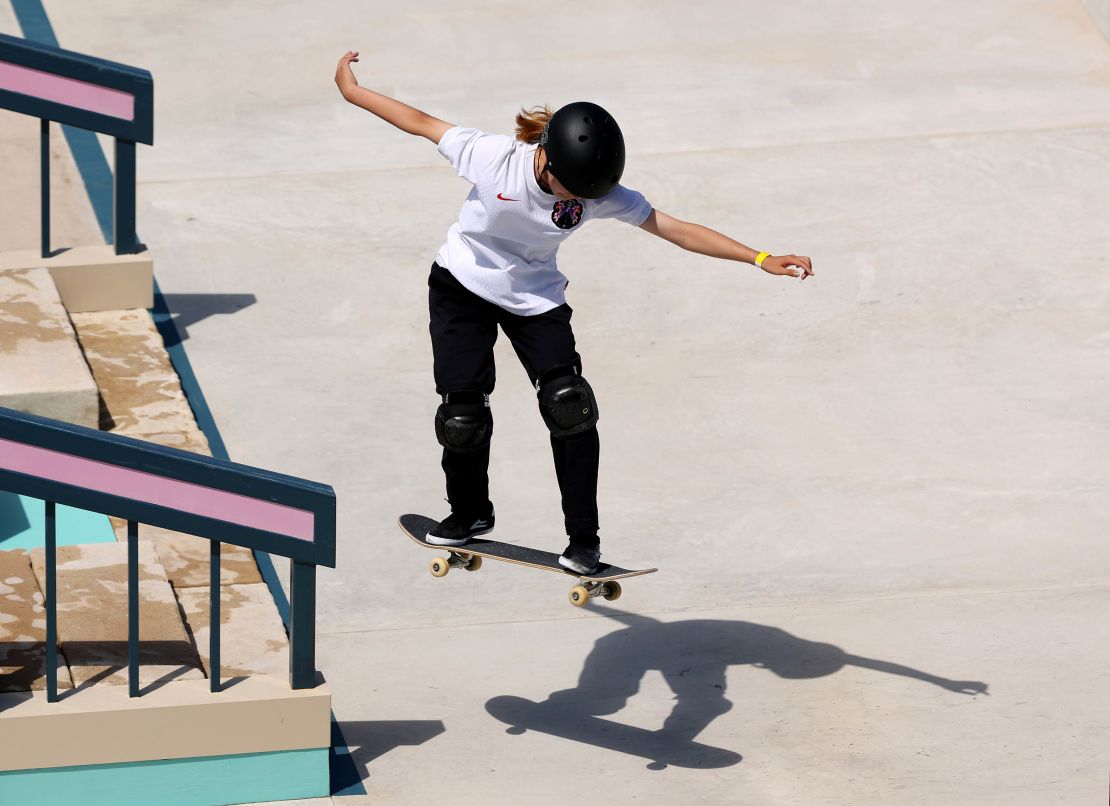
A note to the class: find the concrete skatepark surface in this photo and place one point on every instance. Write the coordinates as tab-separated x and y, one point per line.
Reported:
877	499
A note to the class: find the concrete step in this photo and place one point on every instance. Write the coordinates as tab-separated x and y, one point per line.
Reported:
92	278
42	370
185	558
92	616
174	614
141	392
23	628
174	619
252	637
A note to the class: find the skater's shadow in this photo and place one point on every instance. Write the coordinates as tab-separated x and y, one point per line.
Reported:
693	657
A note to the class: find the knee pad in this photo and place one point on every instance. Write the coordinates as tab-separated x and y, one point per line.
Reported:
464	422
567	402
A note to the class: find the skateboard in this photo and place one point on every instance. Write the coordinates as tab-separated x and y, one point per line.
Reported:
657	746
469	557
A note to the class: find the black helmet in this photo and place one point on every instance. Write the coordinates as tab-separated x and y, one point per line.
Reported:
585	149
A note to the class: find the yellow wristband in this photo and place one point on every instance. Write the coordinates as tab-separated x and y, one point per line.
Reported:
760	258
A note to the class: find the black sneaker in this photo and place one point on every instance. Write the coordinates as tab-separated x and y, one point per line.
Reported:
580	559
457	530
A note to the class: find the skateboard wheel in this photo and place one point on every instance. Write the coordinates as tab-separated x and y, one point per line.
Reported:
612	591
439	567
474	563
579	595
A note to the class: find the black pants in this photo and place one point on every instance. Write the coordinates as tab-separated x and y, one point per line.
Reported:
464	329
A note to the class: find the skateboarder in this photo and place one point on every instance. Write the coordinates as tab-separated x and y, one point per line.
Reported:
498	268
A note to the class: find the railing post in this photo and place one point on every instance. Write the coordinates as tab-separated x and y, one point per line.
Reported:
127	242
133	607
51	605
302	625
214	616
44	156
60	463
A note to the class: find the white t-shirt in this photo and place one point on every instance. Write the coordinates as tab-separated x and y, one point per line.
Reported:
503	246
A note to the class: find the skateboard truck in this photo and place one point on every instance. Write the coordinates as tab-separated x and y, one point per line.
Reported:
580	594
441	565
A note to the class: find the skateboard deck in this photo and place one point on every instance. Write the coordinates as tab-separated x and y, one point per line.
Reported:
657	746
601	583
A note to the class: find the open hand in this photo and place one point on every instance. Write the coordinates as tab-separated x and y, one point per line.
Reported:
343	72
965	686
780	264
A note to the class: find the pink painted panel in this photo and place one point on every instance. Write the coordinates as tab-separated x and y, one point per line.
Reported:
151	489
68	91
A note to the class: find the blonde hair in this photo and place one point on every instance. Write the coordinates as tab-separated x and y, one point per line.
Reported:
530	123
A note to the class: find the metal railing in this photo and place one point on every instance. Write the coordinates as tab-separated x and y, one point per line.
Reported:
216	499
78	90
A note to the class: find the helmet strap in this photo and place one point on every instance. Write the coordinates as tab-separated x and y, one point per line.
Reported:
546	166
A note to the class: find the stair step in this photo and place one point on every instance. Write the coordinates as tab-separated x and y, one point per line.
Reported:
186	560
93	278
43	370
252	637
23	628
92	616
140	390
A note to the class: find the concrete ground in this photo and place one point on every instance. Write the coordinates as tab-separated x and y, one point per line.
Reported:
878	500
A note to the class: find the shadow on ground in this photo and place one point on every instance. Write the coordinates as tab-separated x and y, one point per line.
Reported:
356	744
693	657
188	309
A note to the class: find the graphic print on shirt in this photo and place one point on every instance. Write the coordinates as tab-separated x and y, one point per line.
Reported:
566	214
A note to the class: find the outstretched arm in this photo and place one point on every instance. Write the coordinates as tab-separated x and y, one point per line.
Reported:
705	241
958	686
403	116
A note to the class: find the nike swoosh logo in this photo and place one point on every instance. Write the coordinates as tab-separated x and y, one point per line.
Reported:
505	199
480	524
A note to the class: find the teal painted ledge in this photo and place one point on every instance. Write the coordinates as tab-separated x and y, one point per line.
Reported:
23	524
214	781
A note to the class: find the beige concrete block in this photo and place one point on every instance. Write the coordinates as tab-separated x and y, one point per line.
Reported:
139	387
92	616
23	628
93	278
190	439
252	637
42	370
181	719
185	557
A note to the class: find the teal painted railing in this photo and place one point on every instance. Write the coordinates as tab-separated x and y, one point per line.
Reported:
216	499
71	88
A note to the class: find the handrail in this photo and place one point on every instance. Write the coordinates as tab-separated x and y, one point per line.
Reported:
216	499
72	88
76	89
